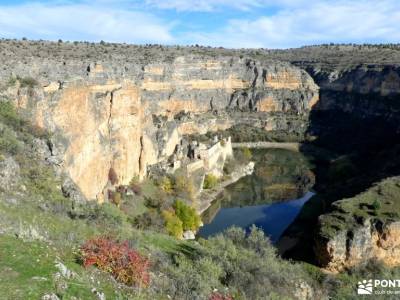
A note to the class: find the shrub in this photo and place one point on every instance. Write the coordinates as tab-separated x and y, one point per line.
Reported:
112	176
27	82
183	186
150	219
210	181
173	224
188	215
166	184
116	198
376	205
154	202
9	116
125	264
109	214
9	142
134	184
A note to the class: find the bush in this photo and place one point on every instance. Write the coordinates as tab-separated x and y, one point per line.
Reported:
135	186
166	184
150	219
183	186
173	224
9	116
125	264
210	181
116	198
9	142
376	205
188	215
109	214
27	82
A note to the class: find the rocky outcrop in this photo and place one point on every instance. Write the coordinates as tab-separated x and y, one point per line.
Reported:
9	172
363	90
361	228
126	117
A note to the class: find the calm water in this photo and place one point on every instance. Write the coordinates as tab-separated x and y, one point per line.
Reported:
270	198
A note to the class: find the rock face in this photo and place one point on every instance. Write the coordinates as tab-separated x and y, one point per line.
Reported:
362	90
369	241
105	116
361	228
9	172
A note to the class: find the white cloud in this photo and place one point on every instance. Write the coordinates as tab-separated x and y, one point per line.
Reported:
317	22
82	22
264	23
212	5
205	5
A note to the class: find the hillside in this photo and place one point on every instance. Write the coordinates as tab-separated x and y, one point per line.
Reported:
102	143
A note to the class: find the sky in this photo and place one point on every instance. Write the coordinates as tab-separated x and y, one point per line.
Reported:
226	23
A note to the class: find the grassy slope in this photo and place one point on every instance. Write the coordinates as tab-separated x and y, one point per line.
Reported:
27	261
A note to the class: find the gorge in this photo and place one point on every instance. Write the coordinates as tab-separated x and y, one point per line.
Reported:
135	111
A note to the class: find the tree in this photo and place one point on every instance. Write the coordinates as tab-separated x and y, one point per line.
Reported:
173	224
188	215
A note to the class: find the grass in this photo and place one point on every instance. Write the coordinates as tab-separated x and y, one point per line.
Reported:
381	202
29	270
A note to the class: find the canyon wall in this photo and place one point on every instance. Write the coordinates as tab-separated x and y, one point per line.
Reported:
361	228
363	90
106	116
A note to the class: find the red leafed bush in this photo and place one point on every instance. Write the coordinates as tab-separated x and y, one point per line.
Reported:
219	296
124	263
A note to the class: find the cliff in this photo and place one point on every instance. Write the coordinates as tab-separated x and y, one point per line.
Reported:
128	116
127	108
361	228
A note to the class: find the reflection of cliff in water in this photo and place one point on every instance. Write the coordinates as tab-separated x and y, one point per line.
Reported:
279	175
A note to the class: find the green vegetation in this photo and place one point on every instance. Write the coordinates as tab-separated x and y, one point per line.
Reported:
41	227
188	215
381	202
166	184
173	224
27	82
180	218
210	181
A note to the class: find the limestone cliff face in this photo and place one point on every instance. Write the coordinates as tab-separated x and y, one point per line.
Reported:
368	241
364	90
361	228
105	116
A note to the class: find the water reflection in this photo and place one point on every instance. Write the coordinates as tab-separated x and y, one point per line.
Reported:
270	198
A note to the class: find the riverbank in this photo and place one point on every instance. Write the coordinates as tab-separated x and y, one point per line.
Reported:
208	196
268	145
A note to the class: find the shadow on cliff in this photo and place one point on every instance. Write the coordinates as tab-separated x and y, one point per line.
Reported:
351	151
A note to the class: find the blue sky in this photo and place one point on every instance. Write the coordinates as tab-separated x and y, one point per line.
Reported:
227	23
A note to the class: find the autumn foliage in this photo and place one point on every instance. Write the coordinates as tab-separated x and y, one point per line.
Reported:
123	262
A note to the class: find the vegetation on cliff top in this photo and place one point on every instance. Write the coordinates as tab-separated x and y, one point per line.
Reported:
379	203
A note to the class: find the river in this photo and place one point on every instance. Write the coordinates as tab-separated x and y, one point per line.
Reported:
270	198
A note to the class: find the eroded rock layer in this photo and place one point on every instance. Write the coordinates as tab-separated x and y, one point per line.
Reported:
104	116
361	228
